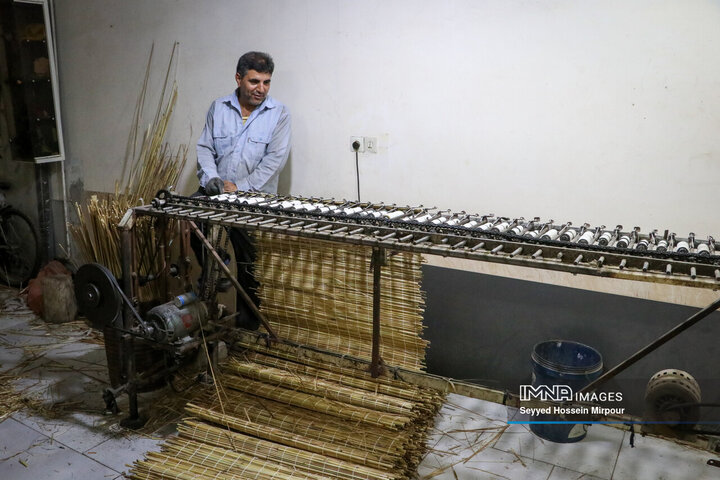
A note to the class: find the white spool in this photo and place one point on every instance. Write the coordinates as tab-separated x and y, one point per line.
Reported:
586	238
501	227
485	226
623	242
551	234
568	235
605	238
682	247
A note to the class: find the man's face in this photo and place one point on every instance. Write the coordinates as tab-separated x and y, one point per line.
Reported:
253	87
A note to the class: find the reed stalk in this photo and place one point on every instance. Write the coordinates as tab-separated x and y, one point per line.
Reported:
156	166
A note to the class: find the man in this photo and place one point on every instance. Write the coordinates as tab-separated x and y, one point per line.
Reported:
244	146
246	139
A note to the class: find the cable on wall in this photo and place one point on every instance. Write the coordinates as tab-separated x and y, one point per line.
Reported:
356	147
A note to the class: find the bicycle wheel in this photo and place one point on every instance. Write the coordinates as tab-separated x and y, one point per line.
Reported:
19	248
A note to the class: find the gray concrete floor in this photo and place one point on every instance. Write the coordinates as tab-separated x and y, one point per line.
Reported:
473	438
65	434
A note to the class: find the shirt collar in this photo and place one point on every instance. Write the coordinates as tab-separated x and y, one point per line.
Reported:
232	100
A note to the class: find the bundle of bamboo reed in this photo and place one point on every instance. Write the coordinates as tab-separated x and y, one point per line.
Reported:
289	418
313	384
314	425
154	167
318	293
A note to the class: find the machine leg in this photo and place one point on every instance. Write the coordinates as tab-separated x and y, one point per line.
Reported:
128	266
378	260
162	227
211	368
133	421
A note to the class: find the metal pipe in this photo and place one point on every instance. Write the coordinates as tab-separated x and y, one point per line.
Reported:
128	263
164	255
653	346
459	244
185	254
478	246
378	260
129	351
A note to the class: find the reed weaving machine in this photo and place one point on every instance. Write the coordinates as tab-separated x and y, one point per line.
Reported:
174	328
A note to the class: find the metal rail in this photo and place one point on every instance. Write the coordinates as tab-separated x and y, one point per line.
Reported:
662	340
607	253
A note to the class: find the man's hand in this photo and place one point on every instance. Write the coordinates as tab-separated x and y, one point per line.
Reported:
230	187
214	186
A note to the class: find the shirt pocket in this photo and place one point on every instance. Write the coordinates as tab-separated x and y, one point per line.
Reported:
224	144
255	148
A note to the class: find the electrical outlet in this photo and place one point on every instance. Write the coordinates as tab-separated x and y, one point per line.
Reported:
360	141
371	144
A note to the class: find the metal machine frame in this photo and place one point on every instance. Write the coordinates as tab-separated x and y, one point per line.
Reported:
546	245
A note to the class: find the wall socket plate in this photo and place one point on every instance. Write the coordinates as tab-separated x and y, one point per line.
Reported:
360	140
371	144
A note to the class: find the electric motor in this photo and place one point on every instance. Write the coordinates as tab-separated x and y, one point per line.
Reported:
177	319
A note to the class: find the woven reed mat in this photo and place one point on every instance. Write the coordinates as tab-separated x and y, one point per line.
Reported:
319	293
287	419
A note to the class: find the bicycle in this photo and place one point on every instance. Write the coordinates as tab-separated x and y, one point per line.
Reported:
19	246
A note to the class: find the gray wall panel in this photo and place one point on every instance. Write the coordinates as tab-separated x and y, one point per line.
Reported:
483	328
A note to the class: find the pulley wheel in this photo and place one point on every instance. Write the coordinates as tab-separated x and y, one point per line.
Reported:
97	294
672	396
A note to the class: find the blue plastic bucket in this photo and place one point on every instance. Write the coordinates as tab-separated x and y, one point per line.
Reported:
563	362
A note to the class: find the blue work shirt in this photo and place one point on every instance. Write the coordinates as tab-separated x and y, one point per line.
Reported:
250	155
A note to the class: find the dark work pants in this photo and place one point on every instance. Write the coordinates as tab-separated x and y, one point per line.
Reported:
245	254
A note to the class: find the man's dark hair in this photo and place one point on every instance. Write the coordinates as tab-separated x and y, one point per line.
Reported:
258	61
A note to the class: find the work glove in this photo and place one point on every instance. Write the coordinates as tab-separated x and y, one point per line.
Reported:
215	186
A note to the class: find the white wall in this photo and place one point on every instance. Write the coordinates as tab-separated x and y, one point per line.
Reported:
596	111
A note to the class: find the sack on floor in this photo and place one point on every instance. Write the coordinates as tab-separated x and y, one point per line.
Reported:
35	286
